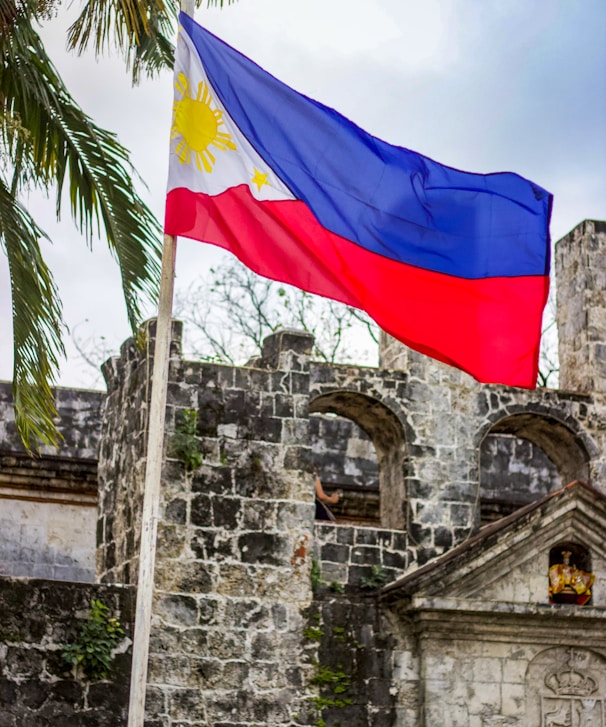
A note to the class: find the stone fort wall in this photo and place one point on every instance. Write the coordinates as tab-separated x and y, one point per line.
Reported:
264	616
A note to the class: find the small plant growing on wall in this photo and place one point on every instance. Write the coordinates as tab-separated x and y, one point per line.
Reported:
332	683
377	578
184	444
98	636
315	575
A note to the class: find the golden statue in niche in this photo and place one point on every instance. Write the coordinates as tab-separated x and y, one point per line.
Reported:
568	584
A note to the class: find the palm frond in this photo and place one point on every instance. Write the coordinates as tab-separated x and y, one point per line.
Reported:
37	323
12	10
140	29
47	139
59	144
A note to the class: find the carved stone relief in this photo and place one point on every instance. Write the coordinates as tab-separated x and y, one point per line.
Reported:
566	687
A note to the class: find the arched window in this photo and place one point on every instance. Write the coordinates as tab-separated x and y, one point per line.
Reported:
367	464
524	457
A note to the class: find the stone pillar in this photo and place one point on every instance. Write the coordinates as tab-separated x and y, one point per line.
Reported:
122	454
580	263
441	469
234	545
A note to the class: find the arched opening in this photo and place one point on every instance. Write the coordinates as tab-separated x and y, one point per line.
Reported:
524	457
358	446
346	461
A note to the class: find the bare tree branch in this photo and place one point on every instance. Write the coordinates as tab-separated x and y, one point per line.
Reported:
229	317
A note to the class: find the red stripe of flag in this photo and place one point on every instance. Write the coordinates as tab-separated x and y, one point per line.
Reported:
489	327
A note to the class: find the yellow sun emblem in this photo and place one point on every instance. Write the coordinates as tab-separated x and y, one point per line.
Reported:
197	125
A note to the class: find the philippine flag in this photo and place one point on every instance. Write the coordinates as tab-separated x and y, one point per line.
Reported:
453	264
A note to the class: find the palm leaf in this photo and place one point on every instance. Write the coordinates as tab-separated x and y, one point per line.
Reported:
59	144
46	139
37	322
140	29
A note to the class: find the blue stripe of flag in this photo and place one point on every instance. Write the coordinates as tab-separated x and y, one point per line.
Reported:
390	200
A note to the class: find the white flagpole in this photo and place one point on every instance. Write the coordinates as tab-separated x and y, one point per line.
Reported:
153	474
151	494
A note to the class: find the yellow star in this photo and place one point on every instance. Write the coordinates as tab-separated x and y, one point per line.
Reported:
259	179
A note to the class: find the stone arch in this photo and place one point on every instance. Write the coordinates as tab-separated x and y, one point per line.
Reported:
385	430
562	441
555	448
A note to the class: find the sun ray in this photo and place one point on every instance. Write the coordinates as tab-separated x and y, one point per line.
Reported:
182	84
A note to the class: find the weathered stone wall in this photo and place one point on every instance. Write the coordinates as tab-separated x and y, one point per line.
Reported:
515	469
450	416
48	503
353	667
79	423
580	263
499	668
47	540
349	555
122	455
513	472
346	460
233	562
343	453
37	687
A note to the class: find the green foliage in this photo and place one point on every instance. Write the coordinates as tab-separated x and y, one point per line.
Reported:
339	633
97	638
313	634
333	684
315	574
184	444
376	579
336	587
48	142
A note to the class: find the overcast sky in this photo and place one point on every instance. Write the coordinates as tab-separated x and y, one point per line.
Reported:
481	85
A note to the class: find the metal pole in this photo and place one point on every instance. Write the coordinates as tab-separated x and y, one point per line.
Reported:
151	494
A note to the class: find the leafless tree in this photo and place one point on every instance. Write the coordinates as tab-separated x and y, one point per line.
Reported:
229	313
549	365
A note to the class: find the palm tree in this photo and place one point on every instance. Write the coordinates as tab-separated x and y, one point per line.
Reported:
47	141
